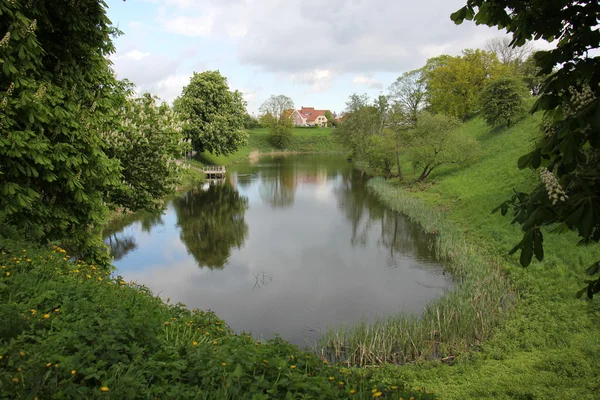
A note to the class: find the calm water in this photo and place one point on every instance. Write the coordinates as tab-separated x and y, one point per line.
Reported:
287	245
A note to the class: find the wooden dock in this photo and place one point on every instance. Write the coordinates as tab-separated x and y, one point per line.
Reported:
214	171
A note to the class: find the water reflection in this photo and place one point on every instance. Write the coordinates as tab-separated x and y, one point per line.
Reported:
397	233
120	244
291	245
212	223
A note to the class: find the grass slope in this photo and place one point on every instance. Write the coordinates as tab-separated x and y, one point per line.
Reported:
550	346
317	140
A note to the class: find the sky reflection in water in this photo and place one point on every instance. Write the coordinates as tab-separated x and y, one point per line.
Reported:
289	245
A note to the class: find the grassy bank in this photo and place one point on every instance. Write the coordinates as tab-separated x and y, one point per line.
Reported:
317	140
549	345
70	330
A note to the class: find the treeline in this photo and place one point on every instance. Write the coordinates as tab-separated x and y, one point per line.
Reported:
417	120
76	142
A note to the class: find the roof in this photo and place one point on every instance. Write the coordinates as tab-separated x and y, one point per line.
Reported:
311	114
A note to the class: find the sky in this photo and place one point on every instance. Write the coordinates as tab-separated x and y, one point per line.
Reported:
316	52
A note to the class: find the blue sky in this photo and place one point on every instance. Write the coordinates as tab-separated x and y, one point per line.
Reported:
316	52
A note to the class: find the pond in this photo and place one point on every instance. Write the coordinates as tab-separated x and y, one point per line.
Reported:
286	245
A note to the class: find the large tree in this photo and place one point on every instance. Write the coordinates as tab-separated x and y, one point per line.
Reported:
213	115
455	83
56	93
436	141
409	90
568	153
275	114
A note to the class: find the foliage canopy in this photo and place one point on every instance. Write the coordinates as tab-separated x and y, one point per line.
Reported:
213	115
567	154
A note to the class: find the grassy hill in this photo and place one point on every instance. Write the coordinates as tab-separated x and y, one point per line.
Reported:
549	346
304	140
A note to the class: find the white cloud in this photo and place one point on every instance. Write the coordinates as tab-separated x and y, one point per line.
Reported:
170	87
201	25
368	81
318	79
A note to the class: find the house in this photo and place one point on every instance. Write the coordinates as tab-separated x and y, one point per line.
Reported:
297	118
314	117
308	116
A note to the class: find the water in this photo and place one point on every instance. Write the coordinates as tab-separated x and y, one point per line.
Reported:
286	245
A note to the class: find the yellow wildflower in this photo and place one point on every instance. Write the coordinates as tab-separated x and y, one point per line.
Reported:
374	391
352	391
22	353
7	273
100	279
46	316
378	394
73	372
104	389
292	366
194	343
48	365
394	387
224	364
15	380
331	378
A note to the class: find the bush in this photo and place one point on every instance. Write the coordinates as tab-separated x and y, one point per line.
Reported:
502	101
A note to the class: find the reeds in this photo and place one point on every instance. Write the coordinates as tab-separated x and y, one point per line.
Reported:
461	318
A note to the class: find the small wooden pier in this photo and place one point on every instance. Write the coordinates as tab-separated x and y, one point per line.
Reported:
214	171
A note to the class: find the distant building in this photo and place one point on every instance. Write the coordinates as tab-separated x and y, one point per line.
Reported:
307	116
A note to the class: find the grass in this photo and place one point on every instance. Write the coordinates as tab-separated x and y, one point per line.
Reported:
548	346
318	140
72	330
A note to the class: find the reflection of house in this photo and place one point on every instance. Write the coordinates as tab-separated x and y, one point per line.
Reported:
308	116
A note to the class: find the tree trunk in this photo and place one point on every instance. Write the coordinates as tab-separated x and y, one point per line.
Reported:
398	164
425	173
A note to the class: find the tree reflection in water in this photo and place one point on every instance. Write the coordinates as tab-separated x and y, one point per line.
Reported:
397	233
120	244
212	223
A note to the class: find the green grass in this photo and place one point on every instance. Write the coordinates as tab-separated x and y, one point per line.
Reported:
549	346
318	140
70	330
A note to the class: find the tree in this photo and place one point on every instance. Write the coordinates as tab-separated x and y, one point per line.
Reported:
454	84
567	155
331	121
356	102
146	142
532	75
398	128
355	132
436	141
509	54
56	93
250	122
274	114
409	90
381	153
502	101
213	115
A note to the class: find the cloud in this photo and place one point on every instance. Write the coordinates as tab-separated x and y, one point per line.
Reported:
355	36
368	81
318	79
191	26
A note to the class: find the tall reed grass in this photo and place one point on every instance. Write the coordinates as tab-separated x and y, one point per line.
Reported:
460	319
